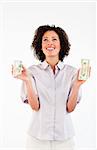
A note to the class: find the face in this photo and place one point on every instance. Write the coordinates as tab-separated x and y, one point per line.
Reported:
51	44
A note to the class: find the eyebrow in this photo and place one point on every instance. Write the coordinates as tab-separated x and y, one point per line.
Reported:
52	37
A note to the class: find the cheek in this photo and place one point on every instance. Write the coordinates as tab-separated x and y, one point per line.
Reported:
43	45
58	43
58	46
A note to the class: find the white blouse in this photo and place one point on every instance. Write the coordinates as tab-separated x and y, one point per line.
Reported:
52	121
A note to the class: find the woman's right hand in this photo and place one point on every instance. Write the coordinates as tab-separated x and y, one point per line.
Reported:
24	74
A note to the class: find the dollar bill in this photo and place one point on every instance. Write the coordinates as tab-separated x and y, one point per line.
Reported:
18	67
84	70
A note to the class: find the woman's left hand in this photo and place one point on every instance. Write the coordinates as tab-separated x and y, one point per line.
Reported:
79	82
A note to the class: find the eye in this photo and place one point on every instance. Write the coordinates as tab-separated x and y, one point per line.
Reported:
54	39
45	39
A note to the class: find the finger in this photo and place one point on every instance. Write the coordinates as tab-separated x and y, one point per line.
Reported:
89	71
17	76
12	69
23	67
78	73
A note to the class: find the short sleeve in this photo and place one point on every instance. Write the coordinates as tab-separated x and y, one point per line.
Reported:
23	92
80	89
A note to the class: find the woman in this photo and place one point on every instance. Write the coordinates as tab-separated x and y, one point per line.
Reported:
52	89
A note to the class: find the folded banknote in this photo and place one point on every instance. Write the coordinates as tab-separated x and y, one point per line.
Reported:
84	70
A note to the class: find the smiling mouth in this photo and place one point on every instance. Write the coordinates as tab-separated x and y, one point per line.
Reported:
50	49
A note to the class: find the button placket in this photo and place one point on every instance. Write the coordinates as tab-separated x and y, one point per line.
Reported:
54	102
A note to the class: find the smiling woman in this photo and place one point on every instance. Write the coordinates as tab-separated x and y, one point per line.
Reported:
50	36
52	89
51	44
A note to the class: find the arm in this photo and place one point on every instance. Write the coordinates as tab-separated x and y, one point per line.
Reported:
72	101
31	95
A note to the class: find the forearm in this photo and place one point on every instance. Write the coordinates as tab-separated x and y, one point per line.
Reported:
72	101
32	97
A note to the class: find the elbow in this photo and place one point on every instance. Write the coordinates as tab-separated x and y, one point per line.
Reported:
70	108
35	108
35	105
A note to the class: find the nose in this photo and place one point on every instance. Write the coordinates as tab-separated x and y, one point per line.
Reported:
50	42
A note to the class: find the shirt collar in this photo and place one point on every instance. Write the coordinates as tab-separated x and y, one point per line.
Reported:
44	64
60	64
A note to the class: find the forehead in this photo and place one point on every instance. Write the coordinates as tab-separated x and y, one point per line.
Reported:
50	33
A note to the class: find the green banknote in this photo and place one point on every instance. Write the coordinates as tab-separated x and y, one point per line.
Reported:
84	70
18	67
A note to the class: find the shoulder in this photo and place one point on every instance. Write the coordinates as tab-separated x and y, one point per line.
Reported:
71	69
34	66
71	72
33	69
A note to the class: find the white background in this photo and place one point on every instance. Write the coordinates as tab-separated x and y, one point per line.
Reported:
18	21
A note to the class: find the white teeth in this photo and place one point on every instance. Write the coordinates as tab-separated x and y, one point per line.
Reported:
50	49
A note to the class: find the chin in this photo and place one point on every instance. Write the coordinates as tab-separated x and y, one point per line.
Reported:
51	56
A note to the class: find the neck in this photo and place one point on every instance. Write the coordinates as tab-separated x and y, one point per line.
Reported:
52	62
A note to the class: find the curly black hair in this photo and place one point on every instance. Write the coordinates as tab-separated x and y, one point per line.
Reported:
37	41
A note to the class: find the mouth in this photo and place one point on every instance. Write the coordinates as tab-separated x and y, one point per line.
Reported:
50	48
